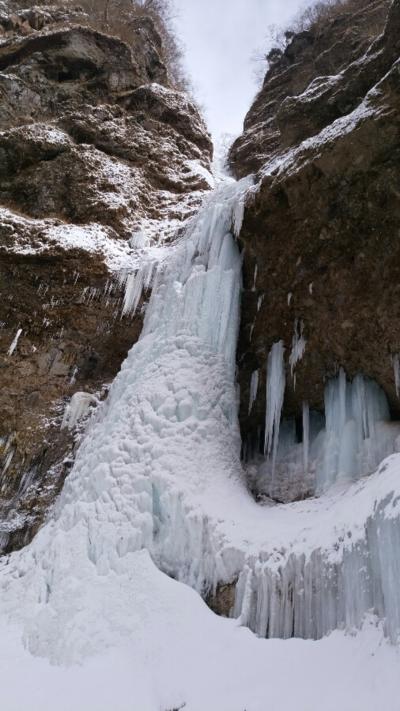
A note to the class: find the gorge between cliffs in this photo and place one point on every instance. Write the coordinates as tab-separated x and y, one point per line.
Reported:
200	369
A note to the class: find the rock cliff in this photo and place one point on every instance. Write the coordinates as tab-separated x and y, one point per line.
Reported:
320	236
98	152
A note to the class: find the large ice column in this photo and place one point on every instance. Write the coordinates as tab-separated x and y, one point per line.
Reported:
198	292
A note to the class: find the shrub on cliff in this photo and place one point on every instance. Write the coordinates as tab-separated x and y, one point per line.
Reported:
118	17
315	19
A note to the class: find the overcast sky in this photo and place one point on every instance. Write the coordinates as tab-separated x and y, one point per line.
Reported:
220	37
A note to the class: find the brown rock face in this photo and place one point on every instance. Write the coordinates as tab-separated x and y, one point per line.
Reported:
91	150
72	339
323	227
323	67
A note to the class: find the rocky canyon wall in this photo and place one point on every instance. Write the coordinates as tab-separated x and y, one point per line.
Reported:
98	153
320	237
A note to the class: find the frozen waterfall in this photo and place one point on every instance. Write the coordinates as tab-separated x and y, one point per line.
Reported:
169	422
158	485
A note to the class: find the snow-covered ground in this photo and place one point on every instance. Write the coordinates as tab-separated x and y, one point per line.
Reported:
180	655
89	618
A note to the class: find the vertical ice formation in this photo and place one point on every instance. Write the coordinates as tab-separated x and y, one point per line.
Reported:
253	389
275	391
77	408
15	342
198	292
135	284
298	346
74	373
239	205
255	277
356	438
313	594
139	240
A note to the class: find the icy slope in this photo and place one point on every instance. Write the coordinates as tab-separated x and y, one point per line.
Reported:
158	474
180	655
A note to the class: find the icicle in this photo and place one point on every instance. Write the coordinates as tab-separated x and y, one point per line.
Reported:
253	389
139	240
73	375
354	438
135	285
255	277
298	345
14	343
355	441
77	408
243	602
8	461
275	391
133	293
260	301
238	214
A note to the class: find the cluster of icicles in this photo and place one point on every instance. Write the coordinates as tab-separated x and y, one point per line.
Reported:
310	596
346	443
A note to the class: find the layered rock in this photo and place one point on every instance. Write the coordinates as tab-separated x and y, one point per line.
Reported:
95	147
320	234
316	62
